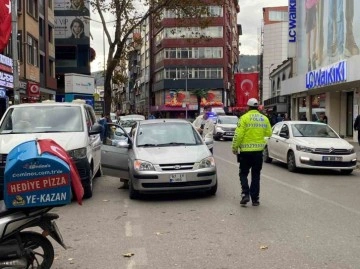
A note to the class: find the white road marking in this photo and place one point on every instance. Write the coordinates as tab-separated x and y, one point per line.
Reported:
128	229
299	189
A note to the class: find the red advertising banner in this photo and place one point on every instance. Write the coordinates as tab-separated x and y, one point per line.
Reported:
33	89
246	87
5	23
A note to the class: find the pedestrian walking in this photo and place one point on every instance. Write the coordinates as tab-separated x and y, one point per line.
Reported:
357	127
204	125
248	143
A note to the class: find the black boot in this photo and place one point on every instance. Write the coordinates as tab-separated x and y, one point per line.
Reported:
244	199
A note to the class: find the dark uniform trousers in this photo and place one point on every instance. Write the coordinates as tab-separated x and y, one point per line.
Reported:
250	160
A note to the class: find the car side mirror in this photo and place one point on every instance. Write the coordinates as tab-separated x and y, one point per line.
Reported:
284	134
96	129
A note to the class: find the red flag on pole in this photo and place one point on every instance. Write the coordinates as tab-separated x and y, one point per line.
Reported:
5	23
50	146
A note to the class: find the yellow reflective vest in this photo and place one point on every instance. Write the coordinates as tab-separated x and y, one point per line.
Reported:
251	131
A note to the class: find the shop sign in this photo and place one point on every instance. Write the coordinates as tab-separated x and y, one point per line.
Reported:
6	80
6	60
326	76
33	89
292	21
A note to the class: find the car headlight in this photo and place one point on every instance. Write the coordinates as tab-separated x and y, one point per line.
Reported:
77	153
304	149
207	162
140	165
352	150
219	129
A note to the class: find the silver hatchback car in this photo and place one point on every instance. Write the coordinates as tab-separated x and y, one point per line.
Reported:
163	155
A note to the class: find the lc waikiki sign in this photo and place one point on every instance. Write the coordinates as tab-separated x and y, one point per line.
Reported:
292	29
326	76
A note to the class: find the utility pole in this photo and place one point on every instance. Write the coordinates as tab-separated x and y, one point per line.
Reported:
14	35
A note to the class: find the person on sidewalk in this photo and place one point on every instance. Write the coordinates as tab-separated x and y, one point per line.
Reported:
204	125
248	144
357	127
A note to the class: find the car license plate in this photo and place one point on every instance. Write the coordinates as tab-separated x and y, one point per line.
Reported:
332	158
230	133
177	178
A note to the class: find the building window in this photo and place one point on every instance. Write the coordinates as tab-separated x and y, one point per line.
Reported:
278	16
51	34
41	27
33	51
19	5
32	8
51	68
42	58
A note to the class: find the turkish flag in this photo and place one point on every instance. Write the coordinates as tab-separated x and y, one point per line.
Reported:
50	146
5	23
247	86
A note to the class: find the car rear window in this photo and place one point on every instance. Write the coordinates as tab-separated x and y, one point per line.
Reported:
42	119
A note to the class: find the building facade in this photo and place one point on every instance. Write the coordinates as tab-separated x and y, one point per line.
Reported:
183	62
72	40
274	46
326	58
36	53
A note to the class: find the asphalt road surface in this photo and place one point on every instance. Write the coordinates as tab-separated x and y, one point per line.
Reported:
306	220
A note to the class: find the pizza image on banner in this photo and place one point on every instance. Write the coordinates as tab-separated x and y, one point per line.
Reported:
5	23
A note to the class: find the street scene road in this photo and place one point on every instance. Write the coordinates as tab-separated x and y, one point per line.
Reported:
308	219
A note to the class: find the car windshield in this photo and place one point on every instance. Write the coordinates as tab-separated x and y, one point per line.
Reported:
228	120
167	134
127	123
42	119
313	130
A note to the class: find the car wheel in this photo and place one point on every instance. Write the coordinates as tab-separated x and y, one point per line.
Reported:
216	138
133	194
213	189
346	171
99	172
291	162
88	188
267	159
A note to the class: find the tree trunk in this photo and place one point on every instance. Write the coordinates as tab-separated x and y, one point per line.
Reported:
107	92
199	102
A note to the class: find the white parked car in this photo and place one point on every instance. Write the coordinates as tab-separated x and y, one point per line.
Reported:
72	125
304	144
225	127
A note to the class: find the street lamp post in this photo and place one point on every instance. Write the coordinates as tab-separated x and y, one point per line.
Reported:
186	92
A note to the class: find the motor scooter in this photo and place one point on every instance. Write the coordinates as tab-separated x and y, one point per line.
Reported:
21	248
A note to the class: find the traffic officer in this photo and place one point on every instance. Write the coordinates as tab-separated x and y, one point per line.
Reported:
248	143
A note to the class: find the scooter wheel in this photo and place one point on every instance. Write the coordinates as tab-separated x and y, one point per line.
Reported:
39	250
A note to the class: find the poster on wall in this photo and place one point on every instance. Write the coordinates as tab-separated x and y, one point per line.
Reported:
76	29
326	33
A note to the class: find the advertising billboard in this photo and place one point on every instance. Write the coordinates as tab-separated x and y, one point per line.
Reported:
178	98
80	7
246	87
75	29
326	33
